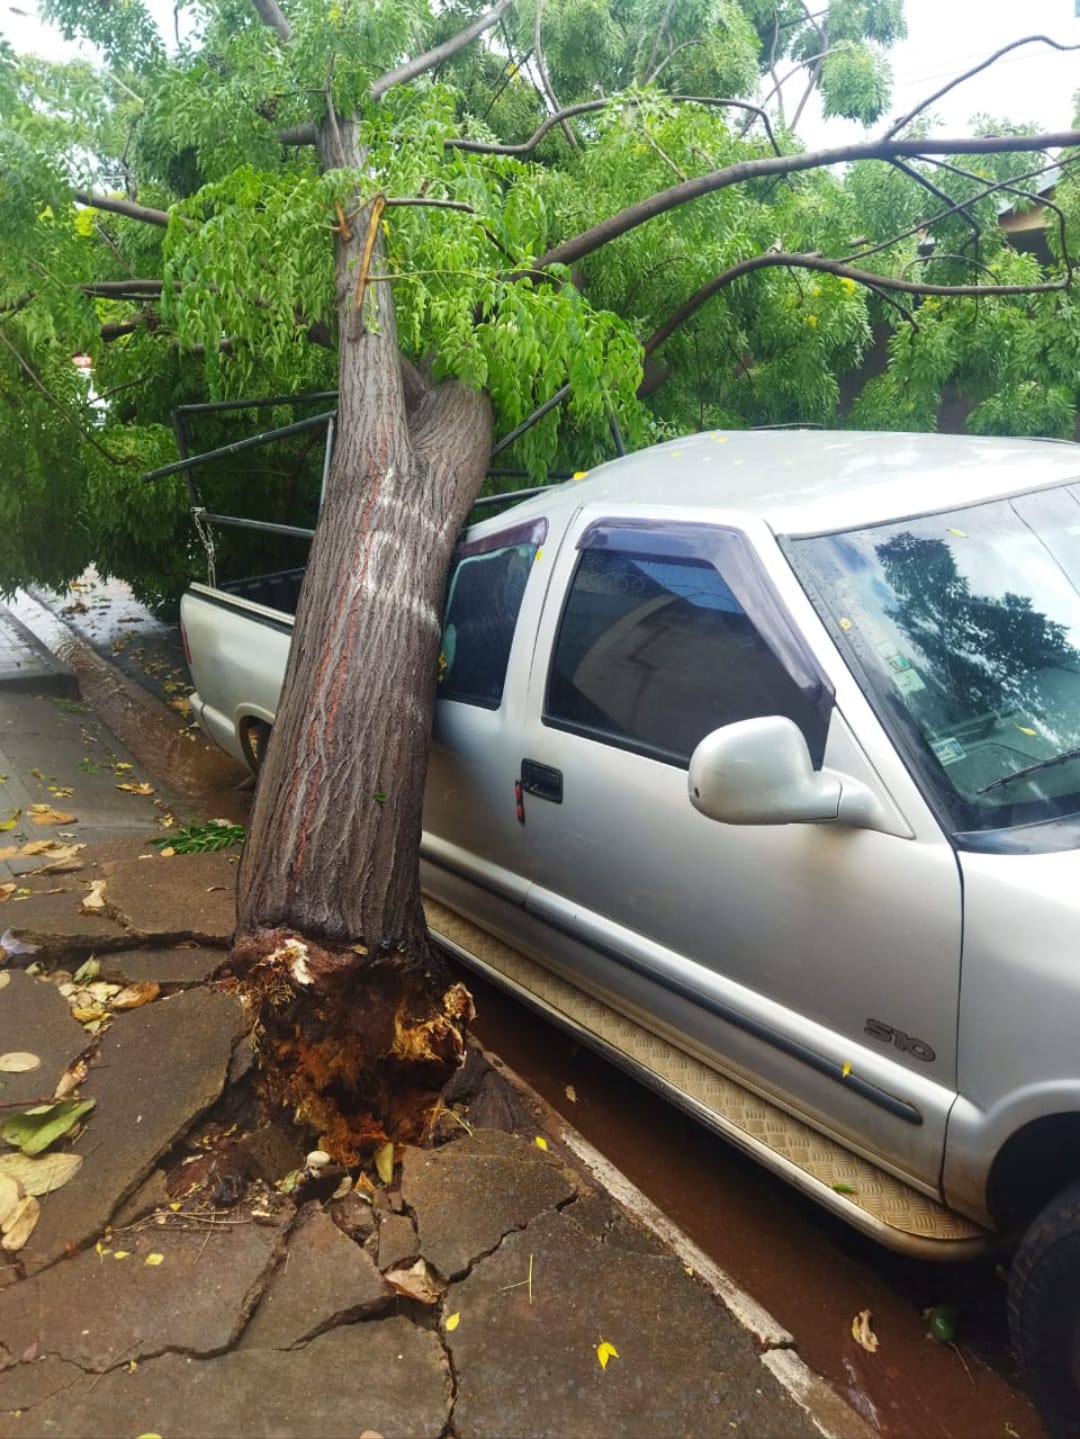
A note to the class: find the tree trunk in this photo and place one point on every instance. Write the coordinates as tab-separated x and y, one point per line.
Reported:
357	1026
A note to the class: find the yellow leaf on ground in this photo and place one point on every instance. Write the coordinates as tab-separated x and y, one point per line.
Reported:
861	1332
12	819
384	1162
133	996
540	1142
121	1253
154	1260
141	788
452	1322
37	774
571	1093
44	814
604	1352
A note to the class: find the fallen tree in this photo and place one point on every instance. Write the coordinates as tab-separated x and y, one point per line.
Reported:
447	271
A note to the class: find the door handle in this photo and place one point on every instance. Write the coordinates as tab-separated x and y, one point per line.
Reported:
542	781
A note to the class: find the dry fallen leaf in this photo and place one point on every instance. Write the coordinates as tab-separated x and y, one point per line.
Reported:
38	1175
132	996
19	1225
6	891
71	1078
137	788
862	1333
571	1093
19	1062
94	902
416	1282
384	1162
153	1260
12	819
53	848
45	814
11	1192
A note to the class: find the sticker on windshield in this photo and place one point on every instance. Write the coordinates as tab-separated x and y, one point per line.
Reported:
908	681
948	750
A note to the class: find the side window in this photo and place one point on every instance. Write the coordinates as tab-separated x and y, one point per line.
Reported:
655	651
487	585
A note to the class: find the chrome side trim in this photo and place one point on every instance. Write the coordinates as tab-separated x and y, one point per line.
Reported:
570	920
870	1199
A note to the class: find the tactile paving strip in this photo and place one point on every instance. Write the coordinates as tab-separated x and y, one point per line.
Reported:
887	1208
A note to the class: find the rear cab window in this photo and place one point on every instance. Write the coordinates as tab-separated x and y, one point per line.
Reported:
483	600
671	631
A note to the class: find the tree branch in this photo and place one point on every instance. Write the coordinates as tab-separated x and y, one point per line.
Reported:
989	190
1014	189
269	14
127	208
545	83
585	107
940	194
585	243
39	384
906	120
306	134
136	289
436	56
775	259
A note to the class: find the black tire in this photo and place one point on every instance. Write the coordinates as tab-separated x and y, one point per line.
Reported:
1044	1313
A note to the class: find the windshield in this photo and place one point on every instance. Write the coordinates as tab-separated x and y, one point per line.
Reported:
965	629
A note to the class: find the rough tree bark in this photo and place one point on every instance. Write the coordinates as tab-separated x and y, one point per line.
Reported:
357	1023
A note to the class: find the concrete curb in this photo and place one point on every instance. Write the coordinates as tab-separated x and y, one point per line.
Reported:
28	666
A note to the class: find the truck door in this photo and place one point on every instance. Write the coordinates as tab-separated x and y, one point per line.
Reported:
820	964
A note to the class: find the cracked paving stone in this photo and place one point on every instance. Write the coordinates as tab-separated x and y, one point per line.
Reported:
166	965
35	1016
97	1310
324	1279
153	899
397	1241
467	1195
34	1381
54	923
685	1366
388	1376
158	1068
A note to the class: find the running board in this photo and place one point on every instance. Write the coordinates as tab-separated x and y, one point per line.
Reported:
864	1196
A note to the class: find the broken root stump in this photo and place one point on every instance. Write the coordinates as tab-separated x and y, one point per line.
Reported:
357	1045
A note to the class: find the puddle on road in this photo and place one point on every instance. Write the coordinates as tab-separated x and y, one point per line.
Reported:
808	1269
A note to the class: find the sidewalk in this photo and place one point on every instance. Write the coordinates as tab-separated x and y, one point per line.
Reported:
179	1282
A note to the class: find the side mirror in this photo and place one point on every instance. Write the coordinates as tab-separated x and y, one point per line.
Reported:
759	771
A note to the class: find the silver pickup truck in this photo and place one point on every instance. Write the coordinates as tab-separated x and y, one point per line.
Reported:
756	764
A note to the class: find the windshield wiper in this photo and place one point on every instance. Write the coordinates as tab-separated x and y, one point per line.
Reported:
1031	769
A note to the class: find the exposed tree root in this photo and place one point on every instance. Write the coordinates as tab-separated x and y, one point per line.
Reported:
352	1042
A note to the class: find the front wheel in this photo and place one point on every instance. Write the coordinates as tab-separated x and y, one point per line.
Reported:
1044	1313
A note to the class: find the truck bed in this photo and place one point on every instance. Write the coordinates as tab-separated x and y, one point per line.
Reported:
280	591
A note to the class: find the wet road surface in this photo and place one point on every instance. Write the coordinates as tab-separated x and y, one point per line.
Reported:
806	1267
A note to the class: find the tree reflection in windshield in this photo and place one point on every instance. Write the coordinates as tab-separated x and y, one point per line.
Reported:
964	628
982	654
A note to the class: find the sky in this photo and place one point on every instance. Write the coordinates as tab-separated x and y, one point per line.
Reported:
945	37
